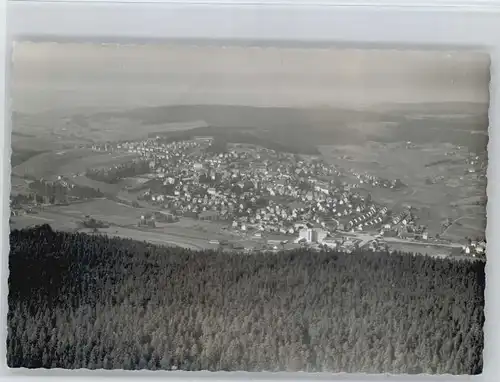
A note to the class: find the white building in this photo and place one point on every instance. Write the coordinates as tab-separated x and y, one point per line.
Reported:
312	235
330	243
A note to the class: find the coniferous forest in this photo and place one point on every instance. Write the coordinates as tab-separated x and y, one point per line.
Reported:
90	301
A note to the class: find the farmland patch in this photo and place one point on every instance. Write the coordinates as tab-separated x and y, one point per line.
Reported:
67	162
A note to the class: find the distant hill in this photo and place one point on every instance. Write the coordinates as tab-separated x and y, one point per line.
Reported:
241	116
437	108
299	129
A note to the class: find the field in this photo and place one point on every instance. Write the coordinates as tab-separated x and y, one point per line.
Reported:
450	198
101	209
296	129
419	248
107	188
18	185
340	133
53	130
186	232
394	160
67	162
56	221
71	221
28	143
101	129
20	156
466	226
155	237
123	218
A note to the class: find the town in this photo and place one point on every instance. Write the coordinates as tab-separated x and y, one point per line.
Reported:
261	199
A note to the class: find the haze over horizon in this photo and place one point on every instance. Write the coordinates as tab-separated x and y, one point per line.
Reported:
54	76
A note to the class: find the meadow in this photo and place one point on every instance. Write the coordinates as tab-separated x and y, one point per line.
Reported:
101	209
296	129
371	141
106	188
449	198
68	162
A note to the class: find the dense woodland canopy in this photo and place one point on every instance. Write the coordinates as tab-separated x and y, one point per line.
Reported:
115	174
83	301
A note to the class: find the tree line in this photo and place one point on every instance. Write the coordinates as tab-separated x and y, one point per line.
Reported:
92	301
115	174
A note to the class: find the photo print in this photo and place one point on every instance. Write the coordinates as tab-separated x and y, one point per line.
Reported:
247	208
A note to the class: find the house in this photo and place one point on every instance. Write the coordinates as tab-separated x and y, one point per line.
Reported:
329	242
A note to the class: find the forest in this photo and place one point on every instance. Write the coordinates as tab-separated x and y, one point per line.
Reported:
115	174
90	301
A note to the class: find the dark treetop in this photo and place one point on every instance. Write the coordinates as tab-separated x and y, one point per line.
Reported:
82	301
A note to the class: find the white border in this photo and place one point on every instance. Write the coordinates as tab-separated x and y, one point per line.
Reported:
362	25
335	3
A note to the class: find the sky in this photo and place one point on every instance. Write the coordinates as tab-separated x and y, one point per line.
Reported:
47	76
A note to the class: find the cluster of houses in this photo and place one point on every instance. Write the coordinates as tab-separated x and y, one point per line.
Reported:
261	190
264	190
474	248
376	181
368	218
256	187
256	206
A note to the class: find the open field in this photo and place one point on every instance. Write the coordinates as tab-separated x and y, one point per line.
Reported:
394	160
317	126
19	185
431	250
22	155
56	221
56	128
67	162
466	227
188	233
420	248
155	237
107	188
133	182
123	215
278	126
67	223
100	129
341	133
434	202
123	220
101	209
36	144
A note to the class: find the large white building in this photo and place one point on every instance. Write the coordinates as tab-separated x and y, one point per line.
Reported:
312	235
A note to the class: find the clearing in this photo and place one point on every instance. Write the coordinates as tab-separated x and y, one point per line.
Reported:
68	162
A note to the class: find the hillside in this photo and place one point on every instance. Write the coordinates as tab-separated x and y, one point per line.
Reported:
77	300
298	129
